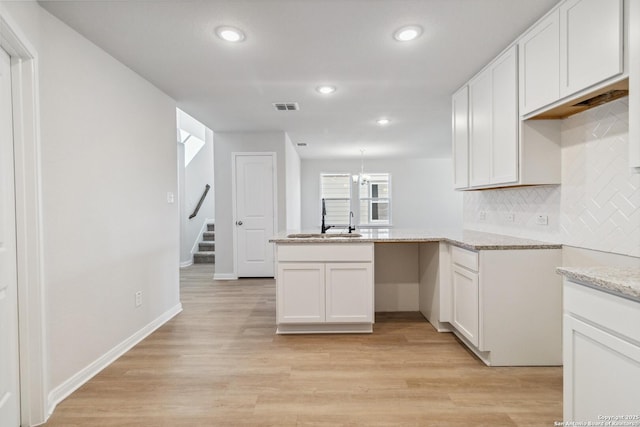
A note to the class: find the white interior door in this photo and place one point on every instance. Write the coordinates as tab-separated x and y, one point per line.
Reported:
9	385
254	194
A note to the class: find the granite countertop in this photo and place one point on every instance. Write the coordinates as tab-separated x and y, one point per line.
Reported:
622	281
468	239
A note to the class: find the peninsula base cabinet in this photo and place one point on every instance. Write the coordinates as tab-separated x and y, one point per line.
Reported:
325	288
506	305
601	353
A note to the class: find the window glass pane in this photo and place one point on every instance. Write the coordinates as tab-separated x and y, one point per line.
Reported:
336	190
337	212
335	186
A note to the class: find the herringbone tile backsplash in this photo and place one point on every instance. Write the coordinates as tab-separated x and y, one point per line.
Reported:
598	204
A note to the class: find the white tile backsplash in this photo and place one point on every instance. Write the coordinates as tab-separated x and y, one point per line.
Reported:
598	204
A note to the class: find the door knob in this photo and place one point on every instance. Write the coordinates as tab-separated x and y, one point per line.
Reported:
238	222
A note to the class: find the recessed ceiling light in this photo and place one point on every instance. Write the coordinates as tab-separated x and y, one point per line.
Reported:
383	121
326	89
407	33
230	34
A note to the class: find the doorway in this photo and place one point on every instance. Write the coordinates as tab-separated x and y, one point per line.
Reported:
9	362
254	196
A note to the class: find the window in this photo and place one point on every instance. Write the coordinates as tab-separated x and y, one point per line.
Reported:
335	189
375	199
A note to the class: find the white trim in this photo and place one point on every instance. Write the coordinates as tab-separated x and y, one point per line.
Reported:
26	134
274	172
184	264
225	276
61	392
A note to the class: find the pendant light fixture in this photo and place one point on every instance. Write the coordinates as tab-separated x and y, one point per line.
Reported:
363	178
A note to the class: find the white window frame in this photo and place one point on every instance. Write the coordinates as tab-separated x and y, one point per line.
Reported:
371	200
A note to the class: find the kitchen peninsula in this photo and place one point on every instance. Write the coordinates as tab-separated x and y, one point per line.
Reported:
499	294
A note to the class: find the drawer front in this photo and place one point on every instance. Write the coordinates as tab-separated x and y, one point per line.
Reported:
612	312
325	252
465	258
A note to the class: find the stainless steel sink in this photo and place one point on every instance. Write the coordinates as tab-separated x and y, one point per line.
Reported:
322	236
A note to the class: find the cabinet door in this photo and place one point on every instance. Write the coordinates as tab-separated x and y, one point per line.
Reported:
539	55
504	118
460	118
464	288
349	292
300	293
601	373
591	40
480	129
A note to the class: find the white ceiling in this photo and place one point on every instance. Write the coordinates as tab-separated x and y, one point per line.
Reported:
292	46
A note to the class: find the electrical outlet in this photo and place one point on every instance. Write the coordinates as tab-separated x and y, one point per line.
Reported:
138	298
510	217
542	220
482	216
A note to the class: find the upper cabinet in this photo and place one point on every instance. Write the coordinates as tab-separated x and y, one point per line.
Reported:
460	132
540	64
491	146
591	43
493	118
570	57
571	60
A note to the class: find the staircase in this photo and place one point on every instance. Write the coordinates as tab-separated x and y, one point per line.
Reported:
206	249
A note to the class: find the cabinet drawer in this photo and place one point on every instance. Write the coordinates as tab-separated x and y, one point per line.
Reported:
323	252
601	308
465	258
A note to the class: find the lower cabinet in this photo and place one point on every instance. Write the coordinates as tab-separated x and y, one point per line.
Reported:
318	292
601	354
505	305
464	287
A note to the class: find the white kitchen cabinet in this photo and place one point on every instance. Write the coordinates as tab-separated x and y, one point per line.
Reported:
301	292
506	305
464	286
601	354
460	132
591	43
324	288
539	64
493	117
349	292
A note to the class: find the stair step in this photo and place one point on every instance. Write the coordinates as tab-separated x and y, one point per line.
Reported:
211	227
209	236
207	246
204	257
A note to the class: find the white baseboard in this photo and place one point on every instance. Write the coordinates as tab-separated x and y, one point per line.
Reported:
184	264
61	392
224	276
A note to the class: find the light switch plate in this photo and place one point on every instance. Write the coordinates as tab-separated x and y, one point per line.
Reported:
170	198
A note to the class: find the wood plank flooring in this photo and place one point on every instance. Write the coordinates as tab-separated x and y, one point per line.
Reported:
219	363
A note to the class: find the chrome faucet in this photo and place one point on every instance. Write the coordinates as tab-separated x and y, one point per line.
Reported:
324	228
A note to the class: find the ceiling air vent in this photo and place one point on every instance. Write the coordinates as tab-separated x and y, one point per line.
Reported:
301	144
286	106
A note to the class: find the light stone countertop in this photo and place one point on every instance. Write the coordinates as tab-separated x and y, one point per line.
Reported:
468	239
622	281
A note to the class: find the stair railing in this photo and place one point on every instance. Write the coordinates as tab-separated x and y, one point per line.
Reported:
197	209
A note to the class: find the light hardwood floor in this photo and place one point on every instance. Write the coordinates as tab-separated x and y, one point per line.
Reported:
219	363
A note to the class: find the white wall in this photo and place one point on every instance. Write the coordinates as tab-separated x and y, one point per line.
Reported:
197	174
422	191
293	201
108	159
226	144
598	204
